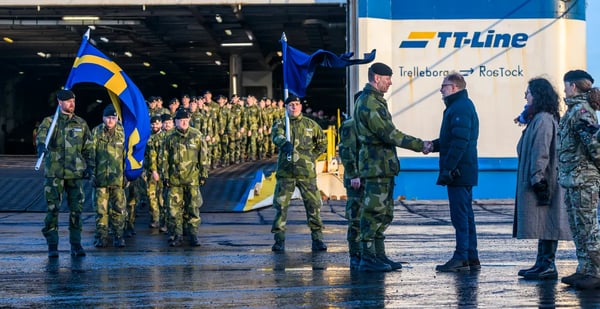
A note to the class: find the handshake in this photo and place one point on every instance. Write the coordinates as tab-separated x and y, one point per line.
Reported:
427	147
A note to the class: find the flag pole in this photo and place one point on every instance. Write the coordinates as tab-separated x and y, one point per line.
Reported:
86	36
285	90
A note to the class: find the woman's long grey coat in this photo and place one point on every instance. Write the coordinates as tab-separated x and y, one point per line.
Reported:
538	160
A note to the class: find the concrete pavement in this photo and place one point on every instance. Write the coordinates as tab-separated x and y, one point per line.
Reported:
235	267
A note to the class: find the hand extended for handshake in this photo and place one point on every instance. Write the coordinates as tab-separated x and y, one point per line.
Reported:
427	147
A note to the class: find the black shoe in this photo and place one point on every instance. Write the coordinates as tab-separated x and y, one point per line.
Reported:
176	241
453	265
571	279
373	265
474	265
52	251
544	272
77	250
532	268
318	245
163	229
153	224
354	261
394	265
129	232
101	242
279	246
194	241
587	283
119	242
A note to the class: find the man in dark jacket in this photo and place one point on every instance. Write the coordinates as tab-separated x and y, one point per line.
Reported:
457	146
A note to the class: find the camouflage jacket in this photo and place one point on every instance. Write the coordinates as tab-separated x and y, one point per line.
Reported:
252	118
153	153
185	157
378	136
578	151
108	156
348	149
69	149
308	142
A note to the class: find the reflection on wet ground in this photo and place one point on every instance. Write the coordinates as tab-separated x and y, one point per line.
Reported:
235	268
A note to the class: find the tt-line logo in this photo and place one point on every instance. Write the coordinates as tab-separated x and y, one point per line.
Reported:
488	39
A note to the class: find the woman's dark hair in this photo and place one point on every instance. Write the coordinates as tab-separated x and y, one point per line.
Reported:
545	98
594	98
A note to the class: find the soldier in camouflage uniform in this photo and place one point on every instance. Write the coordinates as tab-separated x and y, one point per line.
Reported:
225	130
252	115
167	127
185	157
296	168
378	165
213	109
348	149
108	197
578	173
153	150
67	162
236	129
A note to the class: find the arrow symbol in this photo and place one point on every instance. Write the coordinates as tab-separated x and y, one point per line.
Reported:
466	72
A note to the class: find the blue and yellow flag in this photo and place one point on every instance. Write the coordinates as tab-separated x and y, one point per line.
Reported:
92	66
299	68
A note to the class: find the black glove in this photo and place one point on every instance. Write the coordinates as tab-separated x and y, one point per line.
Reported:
446	177
88	173
202	181
584	127
41	148
542	193
287	148
166	183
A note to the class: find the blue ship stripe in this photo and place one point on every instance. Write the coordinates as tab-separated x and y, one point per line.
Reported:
413	44
471	9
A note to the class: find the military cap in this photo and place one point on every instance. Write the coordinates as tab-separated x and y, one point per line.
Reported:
221	97
381	69
206	91
182	113
151	98
64	95
574	75
155	119
292	98
109	110
165	117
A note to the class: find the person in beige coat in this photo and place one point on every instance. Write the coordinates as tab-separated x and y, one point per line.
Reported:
539	209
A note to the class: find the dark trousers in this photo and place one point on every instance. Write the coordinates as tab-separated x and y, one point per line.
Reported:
463	220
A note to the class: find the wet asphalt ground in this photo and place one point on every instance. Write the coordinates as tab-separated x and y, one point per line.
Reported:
235	268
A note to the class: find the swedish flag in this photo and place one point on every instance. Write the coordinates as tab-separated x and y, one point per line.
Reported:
92	66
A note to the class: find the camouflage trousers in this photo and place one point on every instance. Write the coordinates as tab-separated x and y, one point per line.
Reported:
53	191
155	199
378	208
184	210
215	154
252	143
224	146
135	192
110	204
582	211
311	197
353	208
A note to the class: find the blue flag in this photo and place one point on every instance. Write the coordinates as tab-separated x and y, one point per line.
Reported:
299	68
92	66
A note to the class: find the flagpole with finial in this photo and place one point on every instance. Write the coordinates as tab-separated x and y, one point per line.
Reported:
38	164
285	90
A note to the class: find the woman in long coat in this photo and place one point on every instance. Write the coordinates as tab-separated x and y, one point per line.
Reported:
539	209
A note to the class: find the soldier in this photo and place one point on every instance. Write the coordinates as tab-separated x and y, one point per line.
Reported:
108	159
185	171
214	128
68	162
578	173
296	168
153	150
225	129
167	127
348	149
252	116
378	165
236	129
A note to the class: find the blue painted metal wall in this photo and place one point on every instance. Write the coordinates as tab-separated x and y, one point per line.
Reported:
417	177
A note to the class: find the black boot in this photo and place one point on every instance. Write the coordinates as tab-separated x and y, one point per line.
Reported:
380	253
53	251
547	269
77	250
538	261
369	261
